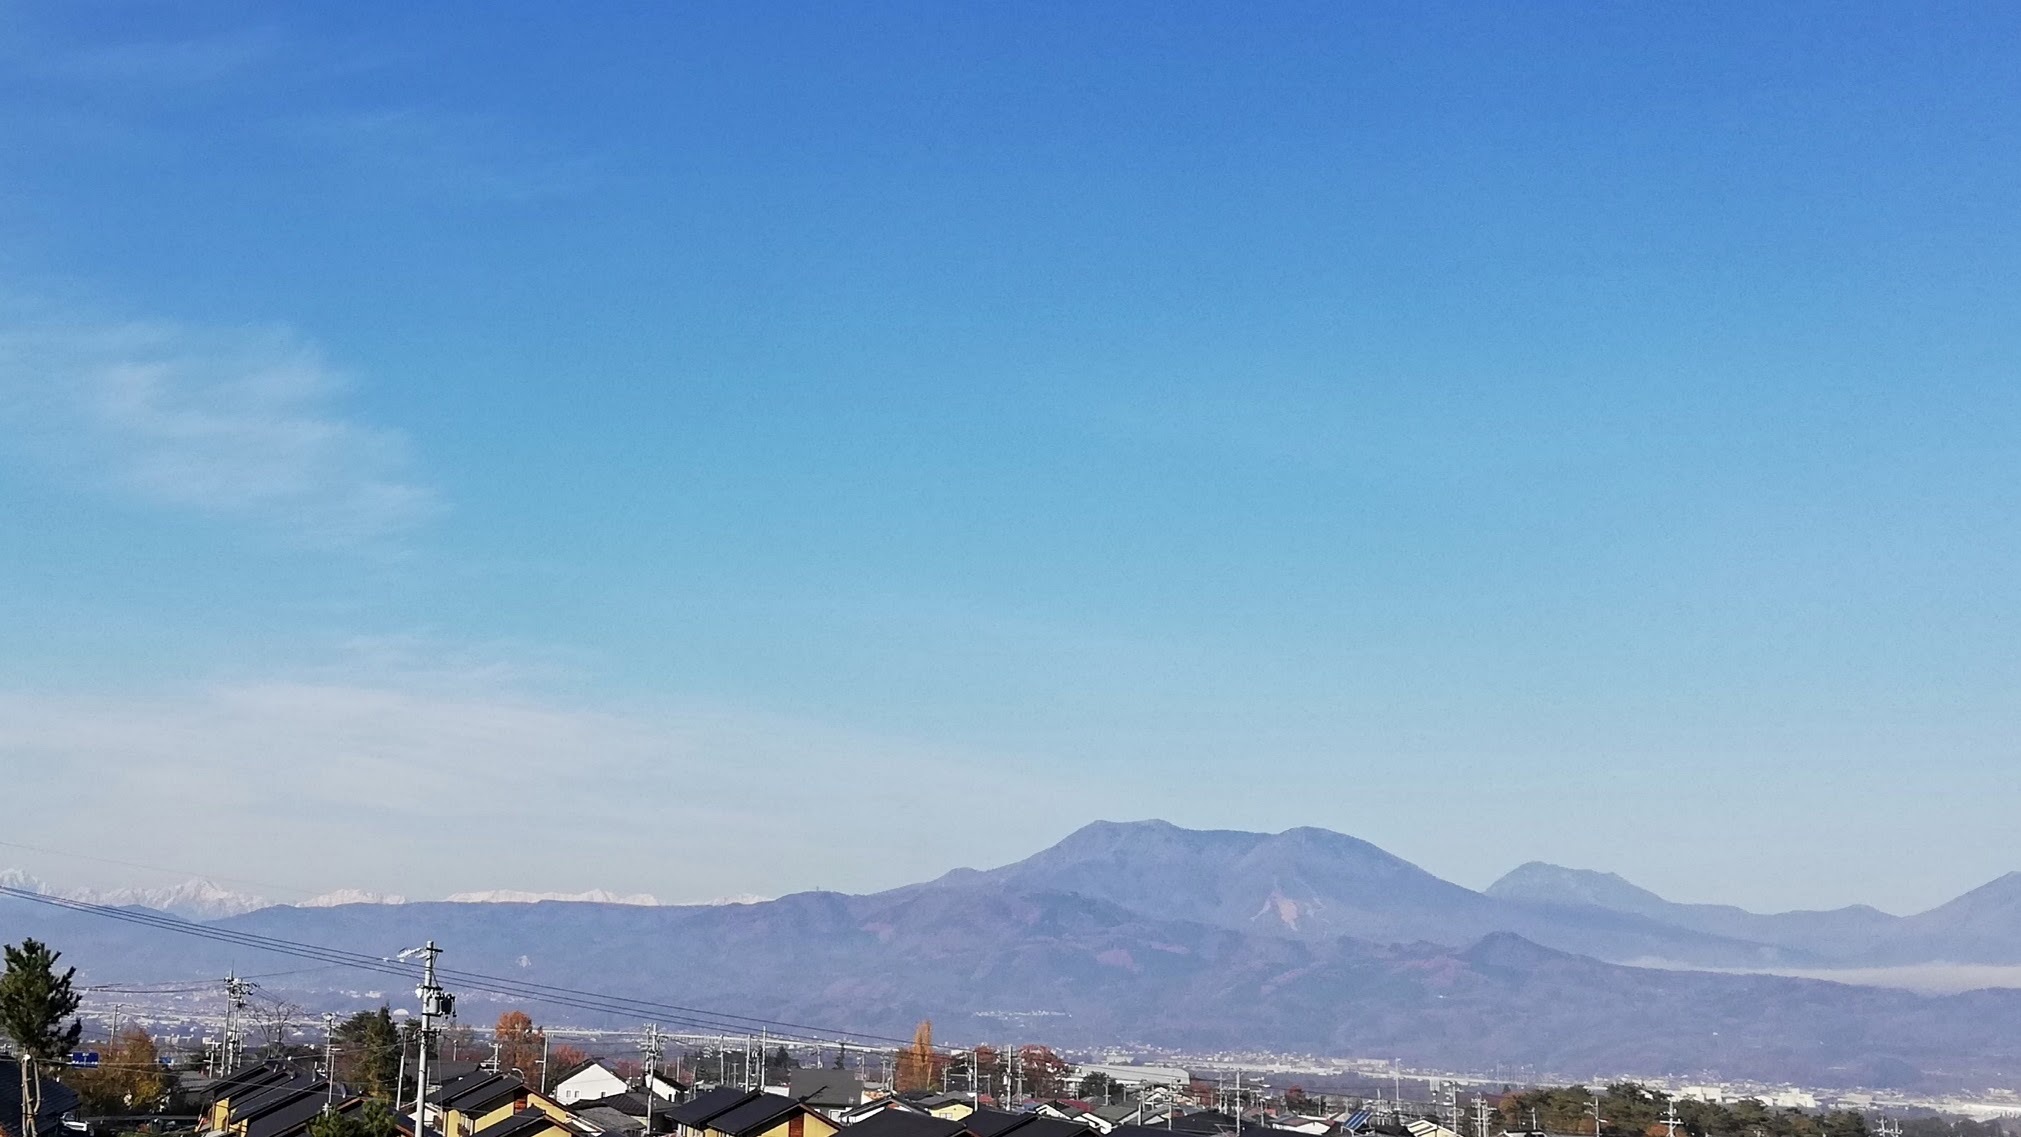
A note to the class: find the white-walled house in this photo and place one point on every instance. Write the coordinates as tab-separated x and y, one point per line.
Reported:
587	1082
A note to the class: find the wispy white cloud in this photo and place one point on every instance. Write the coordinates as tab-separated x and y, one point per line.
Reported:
426	792
427	660
409	152
289	100
184	61
243	423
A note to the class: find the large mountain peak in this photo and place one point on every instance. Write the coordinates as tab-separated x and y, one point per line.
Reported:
1997	902
1542	883
1303	882
192	899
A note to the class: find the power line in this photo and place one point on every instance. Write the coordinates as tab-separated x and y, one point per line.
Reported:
184	986
156	868
492	984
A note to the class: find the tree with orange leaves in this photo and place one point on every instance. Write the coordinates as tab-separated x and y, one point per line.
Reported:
519	1044
919	1067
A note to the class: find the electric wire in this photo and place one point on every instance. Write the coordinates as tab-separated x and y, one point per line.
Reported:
704	1021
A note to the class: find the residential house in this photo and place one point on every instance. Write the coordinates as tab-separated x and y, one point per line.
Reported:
611	1121
857	1115
1201	1122
905	1123
994	1122
628	1112
666	1087
1133	1077
941	1104
472	1104
691	1117
997	1123
586	1081
243	1093
533	1123
55	1110
1065	1109
825	1090
731	1112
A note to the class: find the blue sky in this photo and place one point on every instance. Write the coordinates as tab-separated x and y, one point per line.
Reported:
541	447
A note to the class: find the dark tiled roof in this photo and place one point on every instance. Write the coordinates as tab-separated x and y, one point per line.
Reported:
1139	1131
900	1123
1052	1127
460	1082
254	1076
291	1117
826	1087
478	1091
246	1105
520	1124
611	1121
762	1112
57	1100
994	1122
705	1107
1203	1121
294	1120
631	1103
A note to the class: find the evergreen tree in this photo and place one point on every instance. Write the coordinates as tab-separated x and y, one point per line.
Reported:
372	1119
368	1046
34	1001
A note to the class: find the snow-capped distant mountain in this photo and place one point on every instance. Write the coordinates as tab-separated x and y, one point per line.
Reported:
515	896
192	899
344	896
202	900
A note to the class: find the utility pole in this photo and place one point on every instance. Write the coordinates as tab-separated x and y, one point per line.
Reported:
650	1051
1481	1117
546	1038
235	1004
1238	1101
435	1003
1670	1120
1597	1119
497	1052
329	1060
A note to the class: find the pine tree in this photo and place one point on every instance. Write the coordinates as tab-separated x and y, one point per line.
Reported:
369	1048
34	1001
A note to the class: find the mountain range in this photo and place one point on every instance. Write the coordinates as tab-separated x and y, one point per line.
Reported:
1147	933
193	899
204	900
